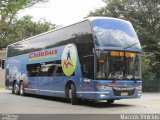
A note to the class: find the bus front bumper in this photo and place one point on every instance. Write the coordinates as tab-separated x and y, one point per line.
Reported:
116	96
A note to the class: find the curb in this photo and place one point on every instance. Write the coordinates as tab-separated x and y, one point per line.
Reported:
2	89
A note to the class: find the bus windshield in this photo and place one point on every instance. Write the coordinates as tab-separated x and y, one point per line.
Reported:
117	65
114	33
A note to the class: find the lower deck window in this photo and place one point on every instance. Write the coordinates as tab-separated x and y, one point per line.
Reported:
52	68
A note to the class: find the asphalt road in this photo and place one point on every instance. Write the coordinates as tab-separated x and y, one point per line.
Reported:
9	103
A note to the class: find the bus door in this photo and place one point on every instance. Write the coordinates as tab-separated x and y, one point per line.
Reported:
41	77
58	80
88	75
33	77
46	78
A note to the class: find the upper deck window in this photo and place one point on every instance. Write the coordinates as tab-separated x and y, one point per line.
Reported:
114	33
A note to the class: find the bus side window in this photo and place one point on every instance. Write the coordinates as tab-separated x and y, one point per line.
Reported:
33	69
88	67
52	68
59	71
51	71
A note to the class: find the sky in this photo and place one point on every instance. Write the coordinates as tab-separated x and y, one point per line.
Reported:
62	12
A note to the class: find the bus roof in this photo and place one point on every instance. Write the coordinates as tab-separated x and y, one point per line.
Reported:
87	19
95	18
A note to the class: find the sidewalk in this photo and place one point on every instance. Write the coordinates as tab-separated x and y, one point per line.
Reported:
2	88
2	79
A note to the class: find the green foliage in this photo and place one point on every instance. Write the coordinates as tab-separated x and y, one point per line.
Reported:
9	9
24	28
148	76
145	17
143	14
13	29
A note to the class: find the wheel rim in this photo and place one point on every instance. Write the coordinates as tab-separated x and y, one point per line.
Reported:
70	94
21	89
15	88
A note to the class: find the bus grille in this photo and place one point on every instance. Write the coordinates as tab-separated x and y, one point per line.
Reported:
121	91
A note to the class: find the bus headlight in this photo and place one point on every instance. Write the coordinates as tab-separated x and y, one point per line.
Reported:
102	95
108	88
103	87
139	87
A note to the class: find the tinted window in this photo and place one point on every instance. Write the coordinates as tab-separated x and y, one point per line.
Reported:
88	67
118	65
52	68
114	33
77	33
33	69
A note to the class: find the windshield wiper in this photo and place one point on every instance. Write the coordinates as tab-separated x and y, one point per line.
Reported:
115	78
134	79
131	46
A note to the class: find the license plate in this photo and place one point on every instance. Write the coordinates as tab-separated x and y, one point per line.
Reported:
124	93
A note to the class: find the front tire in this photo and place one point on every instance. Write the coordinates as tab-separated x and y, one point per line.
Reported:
67	94
73	95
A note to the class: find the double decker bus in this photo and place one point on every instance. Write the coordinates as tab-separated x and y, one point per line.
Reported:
96	59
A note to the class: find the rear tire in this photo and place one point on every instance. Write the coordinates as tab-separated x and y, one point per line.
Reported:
13	88
110	101
21	89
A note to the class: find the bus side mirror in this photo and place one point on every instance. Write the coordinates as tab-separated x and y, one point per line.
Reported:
103	56
100	54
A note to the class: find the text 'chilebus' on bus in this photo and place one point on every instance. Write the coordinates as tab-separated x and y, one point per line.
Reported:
96	59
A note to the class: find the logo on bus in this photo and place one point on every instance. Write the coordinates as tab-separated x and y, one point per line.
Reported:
69	60
43	54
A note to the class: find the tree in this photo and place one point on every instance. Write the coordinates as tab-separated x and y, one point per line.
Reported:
12	29
24	28
143	14
9	8
145	17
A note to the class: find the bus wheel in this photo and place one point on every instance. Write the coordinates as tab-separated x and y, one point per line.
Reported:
110	101
67	94
15	89
73	95
21	89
